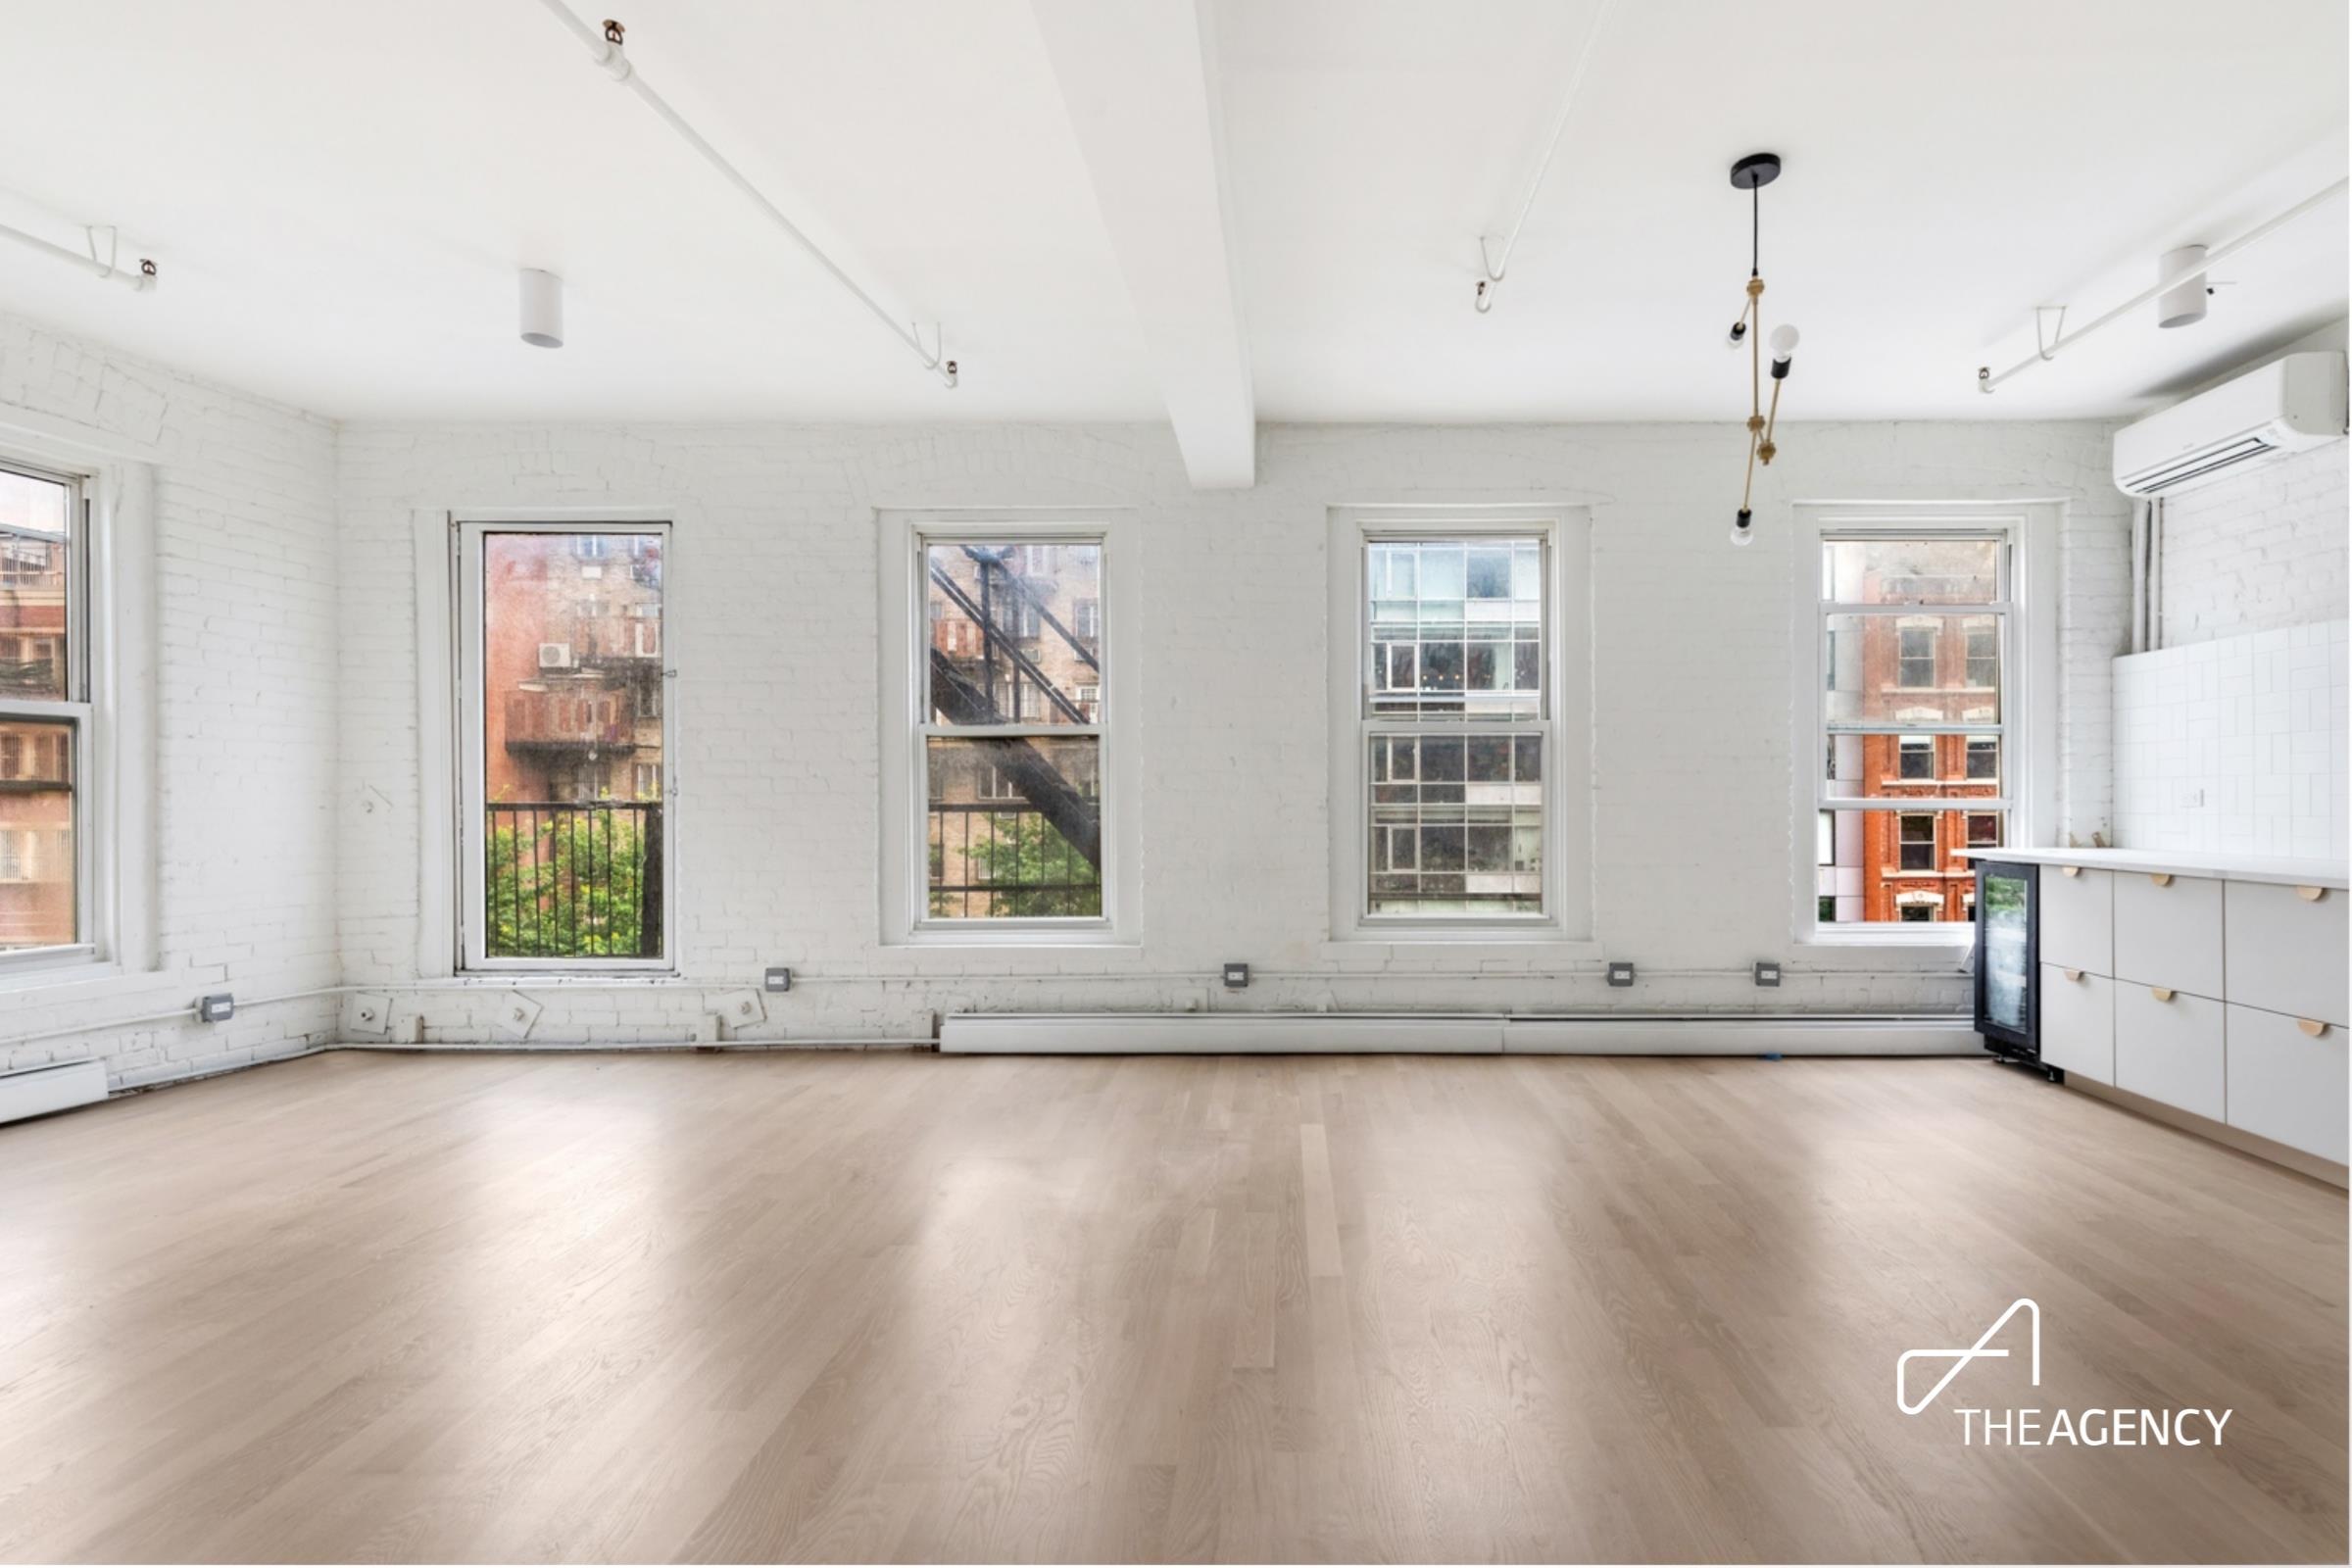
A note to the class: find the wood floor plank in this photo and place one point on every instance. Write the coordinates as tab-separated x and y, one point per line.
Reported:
811	1306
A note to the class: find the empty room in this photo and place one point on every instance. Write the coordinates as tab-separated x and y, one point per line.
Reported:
1078	781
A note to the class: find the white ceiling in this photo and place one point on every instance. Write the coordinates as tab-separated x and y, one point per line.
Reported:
339	196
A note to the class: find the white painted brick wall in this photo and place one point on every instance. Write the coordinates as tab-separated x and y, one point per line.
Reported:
245	707
2236	746
773	628
2256	551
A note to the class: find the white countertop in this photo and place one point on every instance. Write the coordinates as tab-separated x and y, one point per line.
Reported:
2290	869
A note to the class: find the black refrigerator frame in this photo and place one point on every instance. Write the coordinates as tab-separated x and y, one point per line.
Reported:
2013	1045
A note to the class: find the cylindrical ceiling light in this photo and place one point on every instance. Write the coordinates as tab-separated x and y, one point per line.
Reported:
542	308
1751	175
2184	304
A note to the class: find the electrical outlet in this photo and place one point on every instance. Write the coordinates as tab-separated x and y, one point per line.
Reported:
218	1007
1236	976
777	979
1768	972
1621	973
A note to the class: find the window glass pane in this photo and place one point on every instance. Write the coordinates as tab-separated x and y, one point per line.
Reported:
1894	766
1013	828
1910	572
1915	669
1899	866
34	549
1457	628
1017	631
1456	824
571	745
39	886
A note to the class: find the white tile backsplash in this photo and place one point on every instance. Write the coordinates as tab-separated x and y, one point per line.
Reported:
2236	745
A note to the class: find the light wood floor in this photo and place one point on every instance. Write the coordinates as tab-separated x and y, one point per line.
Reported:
905	1306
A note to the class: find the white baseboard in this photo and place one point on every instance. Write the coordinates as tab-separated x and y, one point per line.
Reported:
1469	1034
58	1086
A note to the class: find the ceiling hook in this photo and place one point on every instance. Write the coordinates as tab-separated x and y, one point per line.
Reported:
90	235
2048	349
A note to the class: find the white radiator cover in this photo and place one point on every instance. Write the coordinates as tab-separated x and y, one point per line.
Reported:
1466	1034
58	1086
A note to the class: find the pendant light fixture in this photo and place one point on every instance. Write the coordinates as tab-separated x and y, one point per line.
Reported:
1751	175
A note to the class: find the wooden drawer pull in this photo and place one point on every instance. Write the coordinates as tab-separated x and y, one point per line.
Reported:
2312	1027
2311	895
2070	870
2162	879
2162	992
2074	974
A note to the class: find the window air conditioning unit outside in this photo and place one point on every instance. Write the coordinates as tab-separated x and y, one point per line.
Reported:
554	656
2289	405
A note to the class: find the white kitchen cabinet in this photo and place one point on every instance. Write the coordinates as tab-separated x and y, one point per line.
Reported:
2077	1022
2287	1082
2285	948
2078	918
2168	932
2169	1045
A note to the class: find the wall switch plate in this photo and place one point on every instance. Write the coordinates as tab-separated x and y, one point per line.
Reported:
218	1007
367	1016
777	979
1236	976
1768	972
1621	974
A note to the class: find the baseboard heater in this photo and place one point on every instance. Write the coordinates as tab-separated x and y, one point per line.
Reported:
1113	1034
57	1086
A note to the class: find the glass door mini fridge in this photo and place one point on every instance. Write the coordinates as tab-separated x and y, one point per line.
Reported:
2009	961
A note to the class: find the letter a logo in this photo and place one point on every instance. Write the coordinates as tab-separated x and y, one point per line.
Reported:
1961	1358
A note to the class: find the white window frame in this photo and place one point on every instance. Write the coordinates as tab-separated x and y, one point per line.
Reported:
465	534
1564	530
78	709
905	721
2029	728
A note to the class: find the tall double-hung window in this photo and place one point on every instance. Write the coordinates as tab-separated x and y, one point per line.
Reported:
1008	773
46	719
1455	756
1916	640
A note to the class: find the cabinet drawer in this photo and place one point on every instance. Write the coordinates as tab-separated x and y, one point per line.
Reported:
2078	918
2077	1022
2286	1084
2286	952
2168	933
2170	1051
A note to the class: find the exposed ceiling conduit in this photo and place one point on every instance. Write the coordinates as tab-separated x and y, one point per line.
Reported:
138	277
605	48
1987	380
1493	263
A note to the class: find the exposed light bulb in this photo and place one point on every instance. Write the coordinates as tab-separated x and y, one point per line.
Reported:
1784	341
1737	336
1744	527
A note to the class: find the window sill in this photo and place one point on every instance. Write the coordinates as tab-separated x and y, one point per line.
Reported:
65	969
1480	943
1031	938
524	978
1947	934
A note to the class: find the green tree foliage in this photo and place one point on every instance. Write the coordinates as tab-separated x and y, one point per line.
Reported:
1033	870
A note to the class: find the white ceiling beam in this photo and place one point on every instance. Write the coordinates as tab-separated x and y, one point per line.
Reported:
1139	78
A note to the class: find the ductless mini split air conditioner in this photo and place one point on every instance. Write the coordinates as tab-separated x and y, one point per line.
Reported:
2289	405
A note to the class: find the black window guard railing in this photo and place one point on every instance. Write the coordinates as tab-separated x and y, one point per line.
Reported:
573	881
999	858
